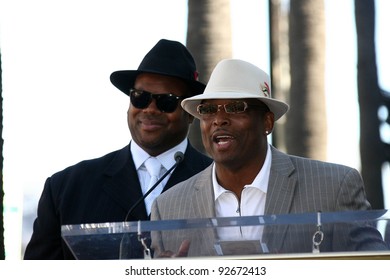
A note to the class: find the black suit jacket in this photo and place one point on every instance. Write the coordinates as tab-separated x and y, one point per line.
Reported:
95	191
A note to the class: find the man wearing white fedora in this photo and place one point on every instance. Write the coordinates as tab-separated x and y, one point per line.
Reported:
250	177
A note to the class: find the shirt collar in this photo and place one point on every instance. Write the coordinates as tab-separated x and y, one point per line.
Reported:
166	159
260	182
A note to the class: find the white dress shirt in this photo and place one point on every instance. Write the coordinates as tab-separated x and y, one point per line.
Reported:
252	203
167	160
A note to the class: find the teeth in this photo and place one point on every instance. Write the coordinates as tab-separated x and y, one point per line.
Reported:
223	139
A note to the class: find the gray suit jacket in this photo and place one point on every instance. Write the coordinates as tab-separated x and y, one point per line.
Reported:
296	185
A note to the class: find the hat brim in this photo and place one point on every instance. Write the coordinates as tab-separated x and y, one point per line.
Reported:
124	80
190	105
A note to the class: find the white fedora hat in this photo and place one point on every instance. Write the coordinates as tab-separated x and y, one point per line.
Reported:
237	79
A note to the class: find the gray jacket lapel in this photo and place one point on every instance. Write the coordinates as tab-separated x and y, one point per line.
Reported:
203	206
280	195
203	201
282	184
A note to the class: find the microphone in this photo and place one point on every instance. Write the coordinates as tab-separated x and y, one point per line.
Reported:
179	157
127	247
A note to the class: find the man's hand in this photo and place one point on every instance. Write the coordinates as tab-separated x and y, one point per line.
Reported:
182	252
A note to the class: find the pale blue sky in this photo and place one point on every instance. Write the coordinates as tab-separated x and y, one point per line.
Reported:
60	107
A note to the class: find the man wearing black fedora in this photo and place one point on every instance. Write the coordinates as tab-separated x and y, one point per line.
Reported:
116	186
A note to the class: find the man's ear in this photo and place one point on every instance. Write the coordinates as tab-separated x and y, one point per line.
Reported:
269	120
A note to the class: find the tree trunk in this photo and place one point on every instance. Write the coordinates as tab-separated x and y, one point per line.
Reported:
2	247
372	149
306	125
280	66
209	40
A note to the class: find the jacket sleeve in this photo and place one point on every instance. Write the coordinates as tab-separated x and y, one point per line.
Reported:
46	242
362	236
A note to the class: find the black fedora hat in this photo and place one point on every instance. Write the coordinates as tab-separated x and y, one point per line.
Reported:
167	57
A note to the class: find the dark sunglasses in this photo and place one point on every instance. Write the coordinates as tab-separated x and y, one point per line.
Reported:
165	102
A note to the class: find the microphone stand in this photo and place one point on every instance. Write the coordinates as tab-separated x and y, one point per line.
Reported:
179	158
126	240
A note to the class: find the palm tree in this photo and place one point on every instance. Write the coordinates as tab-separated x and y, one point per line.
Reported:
280	67
209	40
2	249
373	151
306	126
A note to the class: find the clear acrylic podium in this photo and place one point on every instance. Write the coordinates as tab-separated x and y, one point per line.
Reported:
346	234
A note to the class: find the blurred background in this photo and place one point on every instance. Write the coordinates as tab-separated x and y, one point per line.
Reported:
59	106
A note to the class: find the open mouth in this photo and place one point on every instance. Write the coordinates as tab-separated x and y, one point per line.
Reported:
223	139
